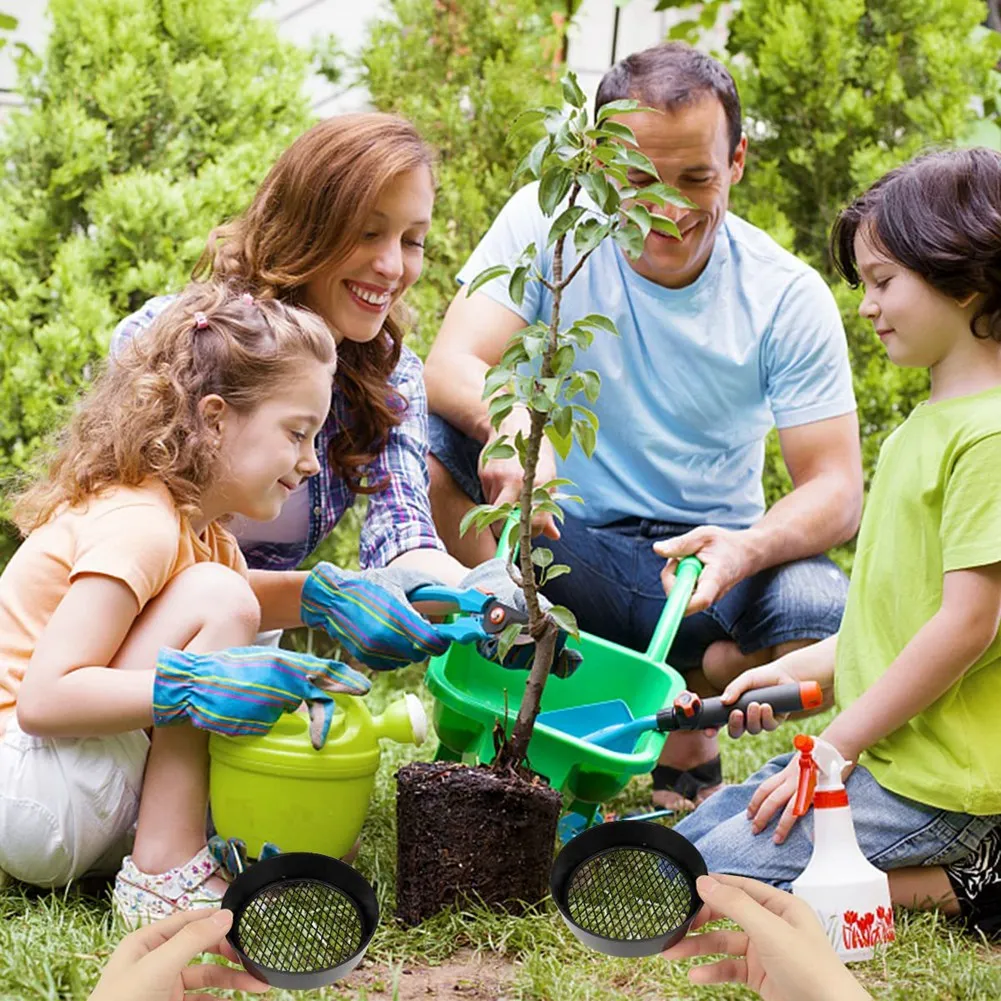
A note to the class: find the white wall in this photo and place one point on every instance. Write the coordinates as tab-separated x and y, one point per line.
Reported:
300	21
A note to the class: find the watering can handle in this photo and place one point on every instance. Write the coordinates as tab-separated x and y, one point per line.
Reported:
686	574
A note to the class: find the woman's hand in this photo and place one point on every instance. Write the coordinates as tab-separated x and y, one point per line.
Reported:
782	952
776	795
368	612
151	964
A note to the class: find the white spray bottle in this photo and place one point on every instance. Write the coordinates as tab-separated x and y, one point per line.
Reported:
850	896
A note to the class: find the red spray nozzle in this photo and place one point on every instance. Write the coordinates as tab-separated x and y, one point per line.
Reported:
807	774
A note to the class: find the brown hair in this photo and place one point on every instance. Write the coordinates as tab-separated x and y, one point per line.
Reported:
940	216
308	215
140	419
669	76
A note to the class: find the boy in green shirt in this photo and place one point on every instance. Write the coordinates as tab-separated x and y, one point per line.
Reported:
915	669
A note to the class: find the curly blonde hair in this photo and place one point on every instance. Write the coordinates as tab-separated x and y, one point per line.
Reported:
141	419
310	213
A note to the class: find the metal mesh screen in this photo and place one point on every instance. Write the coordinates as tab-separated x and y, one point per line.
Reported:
629	893
300	926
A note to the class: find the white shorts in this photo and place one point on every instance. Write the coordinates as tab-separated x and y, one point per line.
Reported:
68	806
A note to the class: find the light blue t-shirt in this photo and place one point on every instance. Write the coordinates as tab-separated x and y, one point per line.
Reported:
698	375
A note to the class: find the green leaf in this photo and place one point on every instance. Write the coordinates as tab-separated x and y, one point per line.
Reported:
542	557
615	130
589	234
592	385
580	336
584	414
599	322
7	22
548	507
586	436
616	108
473	514
565	619
572	93
500	407
486	276
661	224
598	189
563	421
506	639
660	193
497	377
640	215
516	286
561	442
514	353
563	359
556	570
497	449
553	188
636	160
532	162
564	221
630	239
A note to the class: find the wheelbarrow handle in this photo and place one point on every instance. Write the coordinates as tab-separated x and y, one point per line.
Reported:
698	714
685	575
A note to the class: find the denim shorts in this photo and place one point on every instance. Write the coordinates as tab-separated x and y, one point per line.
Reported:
892	831
615	591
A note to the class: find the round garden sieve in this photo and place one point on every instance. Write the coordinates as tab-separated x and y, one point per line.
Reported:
301	920
627	888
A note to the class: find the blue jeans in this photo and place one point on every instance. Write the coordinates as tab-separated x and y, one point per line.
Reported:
615	591
892	831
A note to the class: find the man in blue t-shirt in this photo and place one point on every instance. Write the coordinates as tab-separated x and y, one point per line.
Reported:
723	335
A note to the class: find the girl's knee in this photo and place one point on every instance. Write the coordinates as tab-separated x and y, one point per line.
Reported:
216	590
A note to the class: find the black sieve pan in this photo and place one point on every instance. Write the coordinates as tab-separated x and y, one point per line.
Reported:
627	888
301	920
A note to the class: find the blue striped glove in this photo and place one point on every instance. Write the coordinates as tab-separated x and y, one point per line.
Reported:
492	577
368	613
244	690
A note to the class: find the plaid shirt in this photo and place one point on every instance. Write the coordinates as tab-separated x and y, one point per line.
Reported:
398	518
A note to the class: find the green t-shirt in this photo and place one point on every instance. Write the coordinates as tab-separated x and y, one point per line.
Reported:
934	506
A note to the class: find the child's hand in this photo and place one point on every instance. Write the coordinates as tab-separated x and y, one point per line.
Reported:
758	717
243	691
151	964
782	953
776	794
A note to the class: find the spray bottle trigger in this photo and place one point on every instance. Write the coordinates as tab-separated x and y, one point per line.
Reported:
807	775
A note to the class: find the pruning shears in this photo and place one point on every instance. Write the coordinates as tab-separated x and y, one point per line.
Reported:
484	616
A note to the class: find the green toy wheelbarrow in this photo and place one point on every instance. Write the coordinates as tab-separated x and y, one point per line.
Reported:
473	694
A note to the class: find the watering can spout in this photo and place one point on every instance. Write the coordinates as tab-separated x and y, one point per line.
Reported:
405	721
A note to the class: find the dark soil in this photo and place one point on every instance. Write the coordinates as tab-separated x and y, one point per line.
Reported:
468	833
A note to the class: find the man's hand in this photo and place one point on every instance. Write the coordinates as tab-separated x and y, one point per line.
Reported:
502	479
727	558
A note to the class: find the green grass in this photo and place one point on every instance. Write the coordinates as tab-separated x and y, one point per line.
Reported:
53	946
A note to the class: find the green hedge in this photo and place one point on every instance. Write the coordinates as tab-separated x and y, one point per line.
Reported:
145	124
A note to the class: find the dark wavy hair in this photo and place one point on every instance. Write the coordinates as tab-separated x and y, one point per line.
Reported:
669	76
308	214
939	216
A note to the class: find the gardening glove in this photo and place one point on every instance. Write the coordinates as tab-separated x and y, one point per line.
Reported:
369	613
244	690
492	577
